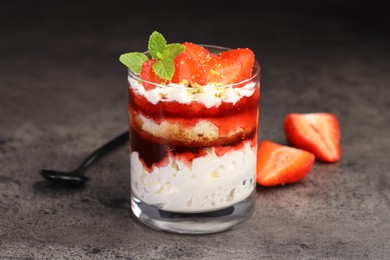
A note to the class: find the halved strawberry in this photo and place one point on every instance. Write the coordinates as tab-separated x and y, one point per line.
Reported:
243	55
197	52
280	164
318	133
225	71
186	68
148	74
227	67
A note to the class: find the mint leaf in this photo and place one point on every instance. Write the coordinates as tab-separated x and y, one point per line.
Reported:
134	61
163	53
172	50
156	45
164	68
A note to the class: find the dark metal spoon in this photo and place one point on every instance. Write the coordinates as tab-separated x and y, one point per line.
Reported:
76	177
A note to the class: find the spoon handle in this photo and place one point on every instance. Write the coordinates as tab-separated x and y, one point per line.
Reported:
117	141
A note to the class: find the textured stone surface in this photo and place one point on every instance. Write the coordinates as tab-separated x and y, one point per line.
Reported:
63	94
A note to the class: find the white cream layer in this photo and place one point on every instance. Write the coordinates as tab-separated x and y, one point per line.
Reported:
209	95
211	183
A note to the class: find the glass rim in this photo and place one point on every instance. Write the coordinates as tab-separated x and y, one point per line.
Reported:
255	73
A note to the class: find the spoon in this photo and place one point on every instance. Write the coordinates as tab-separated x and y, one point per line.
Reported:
76	177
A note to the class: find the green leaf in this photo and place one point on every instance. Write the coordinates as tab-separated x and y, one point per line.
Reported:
163	53
172	50
156	45
164	68
134	61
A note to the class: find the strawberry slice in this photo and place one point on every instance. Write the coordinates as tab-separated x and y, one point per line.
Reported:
280	164
148	74
197	52
197	64
318	133
186	68
225	71
243	55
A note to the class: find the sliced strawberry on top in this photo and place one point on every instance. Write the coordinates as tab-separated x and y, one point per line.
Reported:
243	55
225	71
148	74
318	133
280	164
197	52
186	68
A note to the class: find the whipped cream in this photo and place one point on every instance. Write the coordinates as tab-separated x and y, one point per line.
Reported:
208	95
210	183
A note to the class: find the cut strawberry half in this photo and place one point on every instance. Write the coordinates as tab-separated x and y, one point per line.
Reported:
225	71
186	68
318	133
197	52
244	56
280	164
148	74
198	65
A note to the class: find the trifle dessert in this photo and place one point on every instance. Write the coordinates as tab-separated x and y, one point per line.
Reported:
193	114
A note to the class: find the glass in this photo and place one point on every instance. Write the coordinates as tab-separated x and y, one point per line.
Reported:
193	153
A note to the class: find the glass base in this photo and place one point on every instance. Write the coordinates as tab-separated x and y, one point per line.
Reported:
194	223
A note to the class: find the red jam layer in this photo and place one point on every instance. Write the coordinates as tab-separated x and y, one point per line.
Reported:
151	153
193	109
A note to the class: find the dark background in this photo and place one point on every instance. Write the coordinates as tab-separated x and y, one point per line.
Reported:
63	93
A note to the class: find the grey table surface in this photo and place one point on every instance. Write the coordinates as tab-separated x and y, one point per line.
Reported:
63	93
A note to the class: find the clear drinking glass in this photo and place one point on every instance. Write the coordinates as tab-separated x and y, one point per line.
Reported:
193	153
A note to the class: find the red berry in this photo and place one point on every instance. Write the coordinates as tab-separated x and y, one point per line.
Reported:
244	56
226	71
318	133
280	164
197	52
186	68
148	74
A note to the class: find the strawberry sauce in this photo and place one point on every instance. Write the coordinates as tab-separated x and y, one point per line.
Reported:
152	153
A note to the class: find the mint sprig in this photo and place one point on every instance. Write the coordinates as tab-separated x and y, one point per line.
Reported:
163	53
134	61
